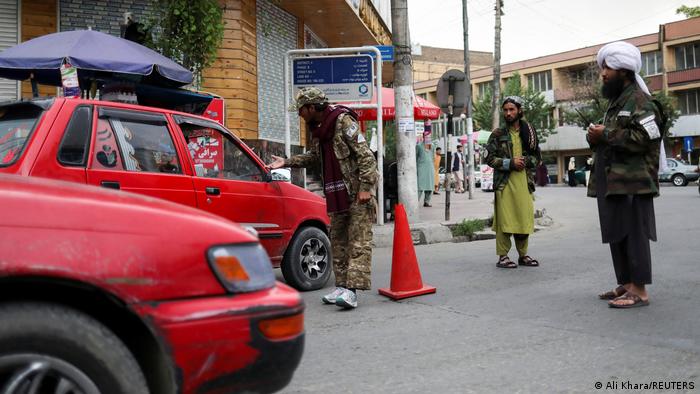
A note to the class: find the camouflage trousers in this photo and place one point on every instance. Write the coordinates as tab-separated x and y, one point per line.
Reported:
351	238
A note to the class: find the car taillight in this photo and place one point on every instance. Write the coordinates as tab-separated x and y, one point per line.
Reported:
242	268
282	327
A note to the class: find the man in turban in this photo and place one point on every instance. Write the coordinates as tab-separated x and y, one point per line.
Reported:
624	176
513	153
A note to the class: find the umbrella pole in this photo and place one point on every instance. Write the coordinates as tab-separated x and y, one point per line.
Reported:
35	87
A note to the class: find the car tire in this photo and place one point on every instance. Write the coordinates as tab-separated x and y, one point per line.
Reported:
55	345
307	263
679	180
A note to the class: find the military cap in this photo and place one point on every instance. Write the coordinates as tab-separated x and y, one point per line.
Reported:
308	95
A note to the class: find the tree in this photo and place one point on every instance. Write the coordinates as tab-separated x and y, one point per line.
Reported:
689	12
537	111
187	31
589	106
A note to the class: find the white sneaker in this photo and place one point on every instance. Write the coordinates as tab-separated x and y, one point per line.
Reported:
330	297
347	299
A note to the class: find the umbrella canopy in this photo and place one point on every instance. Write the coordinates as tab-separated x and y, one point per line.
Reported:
422	109
94	54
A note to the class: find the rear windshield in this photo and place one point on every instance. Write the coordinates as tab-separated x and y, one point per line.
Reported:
17	122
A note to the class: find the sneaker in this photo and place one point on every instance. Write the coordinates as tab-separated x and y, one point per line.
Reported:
347	299
330	297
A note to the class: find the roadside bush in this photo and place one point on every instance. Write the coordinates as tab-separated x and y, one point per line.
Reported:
468	227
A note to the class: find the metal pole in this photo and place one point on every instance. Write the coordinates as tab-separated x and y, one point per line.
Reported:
470	126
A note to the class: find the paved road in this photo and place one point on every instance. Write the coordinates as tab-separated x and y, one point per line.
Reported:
524	330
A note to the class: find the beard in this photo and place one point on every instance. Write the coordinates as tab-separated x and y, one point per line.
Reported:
515	119
613	88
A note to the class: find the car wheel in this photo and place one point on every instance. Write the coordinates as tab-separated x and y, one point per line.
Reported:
679	180
47	348
307	263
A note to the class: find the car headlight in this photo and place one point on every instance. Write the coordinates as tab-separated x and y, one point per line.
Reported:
242	268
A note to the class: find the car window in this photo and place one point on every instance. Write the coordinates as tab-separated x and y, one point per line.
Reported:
217	155
16	125
75	142
143	145
671	163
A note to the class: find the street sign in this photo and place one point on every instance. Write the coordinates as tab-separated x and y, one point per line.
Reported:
342	78
387	52
453	82
688	144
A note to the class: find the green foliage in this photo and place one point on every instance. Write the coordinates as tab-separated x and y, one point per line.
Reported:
187	31
689	12
468	227
537	110
589	100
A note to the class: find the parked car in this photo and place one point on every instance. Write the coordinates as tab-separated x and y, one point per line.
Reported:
678	172
176	156
441	173
111	292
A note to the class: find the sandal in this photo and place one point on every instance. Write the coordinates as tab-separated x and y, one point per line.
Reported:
612	294
505	262
636	301
528	261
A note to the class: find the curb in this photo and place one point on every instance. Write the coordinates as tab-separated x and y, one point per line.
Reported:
431	233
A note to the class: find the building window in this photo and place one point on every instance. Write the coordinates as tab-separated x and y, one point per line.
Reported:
541	81
688	56
688	102
483	87
652	63
583	76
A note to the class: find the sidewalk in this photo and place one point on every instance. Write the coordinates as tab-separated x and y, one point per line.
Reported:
432	226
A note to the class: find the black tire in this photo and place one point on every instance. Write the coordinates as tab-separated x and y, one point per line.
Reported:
307	263
70	346
679	180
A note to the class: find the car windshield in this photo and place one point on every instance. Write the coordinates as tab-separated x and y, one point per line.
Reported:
17	122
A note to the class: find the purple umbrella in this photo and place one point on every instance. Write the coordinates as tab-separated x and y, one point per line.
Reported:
94	54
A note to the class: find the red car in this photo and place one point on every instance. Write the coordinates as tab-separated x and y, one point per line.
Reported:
109	292
176	156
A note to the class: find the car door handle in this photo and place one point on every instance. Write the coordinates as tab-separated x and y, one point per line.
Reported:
213	191
110	185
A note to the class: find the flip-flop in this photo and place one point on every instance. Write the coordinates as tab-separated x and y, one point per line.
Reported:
637	301
612	294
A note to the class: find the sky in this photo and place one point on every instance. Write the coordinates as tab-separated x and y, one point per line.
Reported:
533	28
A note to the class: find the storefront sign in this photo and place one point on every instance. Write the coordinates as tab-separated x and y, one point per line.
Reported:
342	78
206	150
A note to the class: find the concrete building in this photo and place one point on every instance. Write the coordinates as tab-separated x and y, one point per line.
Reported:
248	72
671	62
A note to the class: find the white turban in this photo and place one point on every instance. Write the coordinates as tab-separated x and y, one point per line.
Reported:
620	54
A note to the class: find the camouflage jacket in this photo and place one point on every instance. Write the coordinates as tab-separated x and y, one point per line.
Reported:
357	162
499	155
629	145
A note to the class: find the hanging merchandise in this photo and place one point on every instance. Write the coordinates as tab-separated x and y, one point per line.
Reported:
69	81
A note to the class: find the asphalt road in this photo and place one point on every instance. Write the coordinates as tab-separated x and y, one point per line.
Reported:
522	330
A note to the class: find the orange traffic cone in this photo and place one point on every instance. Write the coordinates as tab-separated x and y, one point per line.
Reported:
405	275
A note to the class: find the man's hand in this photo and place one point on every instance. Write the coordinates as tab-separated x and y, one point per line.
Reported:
519	163
595	132
363	197
278	162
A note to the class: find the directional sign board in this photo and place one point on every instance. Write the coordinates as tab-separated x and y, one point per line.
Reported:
387	52
342	78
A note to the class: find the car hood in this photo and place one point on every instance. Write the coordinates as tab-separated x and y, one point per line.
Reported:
115	211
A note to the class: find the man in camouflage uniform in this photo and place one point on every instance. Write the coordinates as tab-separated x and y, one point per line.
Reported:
513	153
349	172
624	176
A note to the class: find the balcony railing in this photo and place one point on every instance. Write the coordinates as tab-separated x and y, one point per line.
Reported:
684	76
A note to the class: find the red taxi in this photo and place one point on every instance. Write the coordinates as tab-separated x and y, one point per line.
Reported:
172	155
110	292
